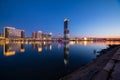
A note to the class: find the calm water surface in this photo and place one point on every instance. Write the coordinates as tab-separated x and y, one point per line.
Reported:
45	60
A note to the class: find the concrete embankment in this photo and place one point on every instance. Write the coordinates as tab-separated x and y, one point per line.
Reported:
105	67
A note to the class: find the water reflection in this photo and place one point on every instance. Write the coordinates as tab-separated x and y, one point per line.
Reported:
8	50
22	48
59	44
40	47
46	60
85	43
66	53
11	48
94	51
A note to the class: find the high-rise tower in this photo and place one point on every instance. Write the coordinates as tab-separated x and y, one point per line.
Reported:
66	29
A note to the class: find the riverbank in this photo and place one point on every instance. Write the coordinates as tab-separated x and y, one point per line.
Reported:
104	67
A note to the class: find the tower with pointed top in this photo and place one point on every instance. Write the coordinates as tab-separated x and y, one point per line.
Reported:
66	29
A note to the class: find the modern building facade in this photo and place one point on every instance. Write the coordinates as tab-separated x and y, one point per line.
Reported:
22	34
59	36
10	32
49	37
1	35
39	34
34	35
42	36
66	29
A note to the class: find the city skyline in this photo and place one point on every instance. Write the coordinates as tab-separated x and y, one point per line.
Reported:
88	18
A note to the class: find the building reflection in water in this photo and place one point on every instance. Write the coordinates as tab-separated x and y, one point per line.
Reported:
22	48
59	44
11	49
40	47
8	51
49	45
85	43
33	45
66	52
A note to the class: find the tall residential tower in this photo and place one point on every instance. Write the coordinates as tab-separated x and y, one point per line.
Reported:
66	29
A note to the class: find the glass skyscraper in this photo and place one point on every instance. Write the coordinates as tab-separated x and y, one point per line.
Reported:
66	29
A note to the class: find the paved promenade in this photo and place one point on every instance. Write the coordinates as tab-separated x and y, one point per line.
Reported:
105	67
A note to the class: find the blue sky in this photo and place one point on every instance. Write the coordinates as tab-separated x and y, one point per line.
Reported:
99	18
